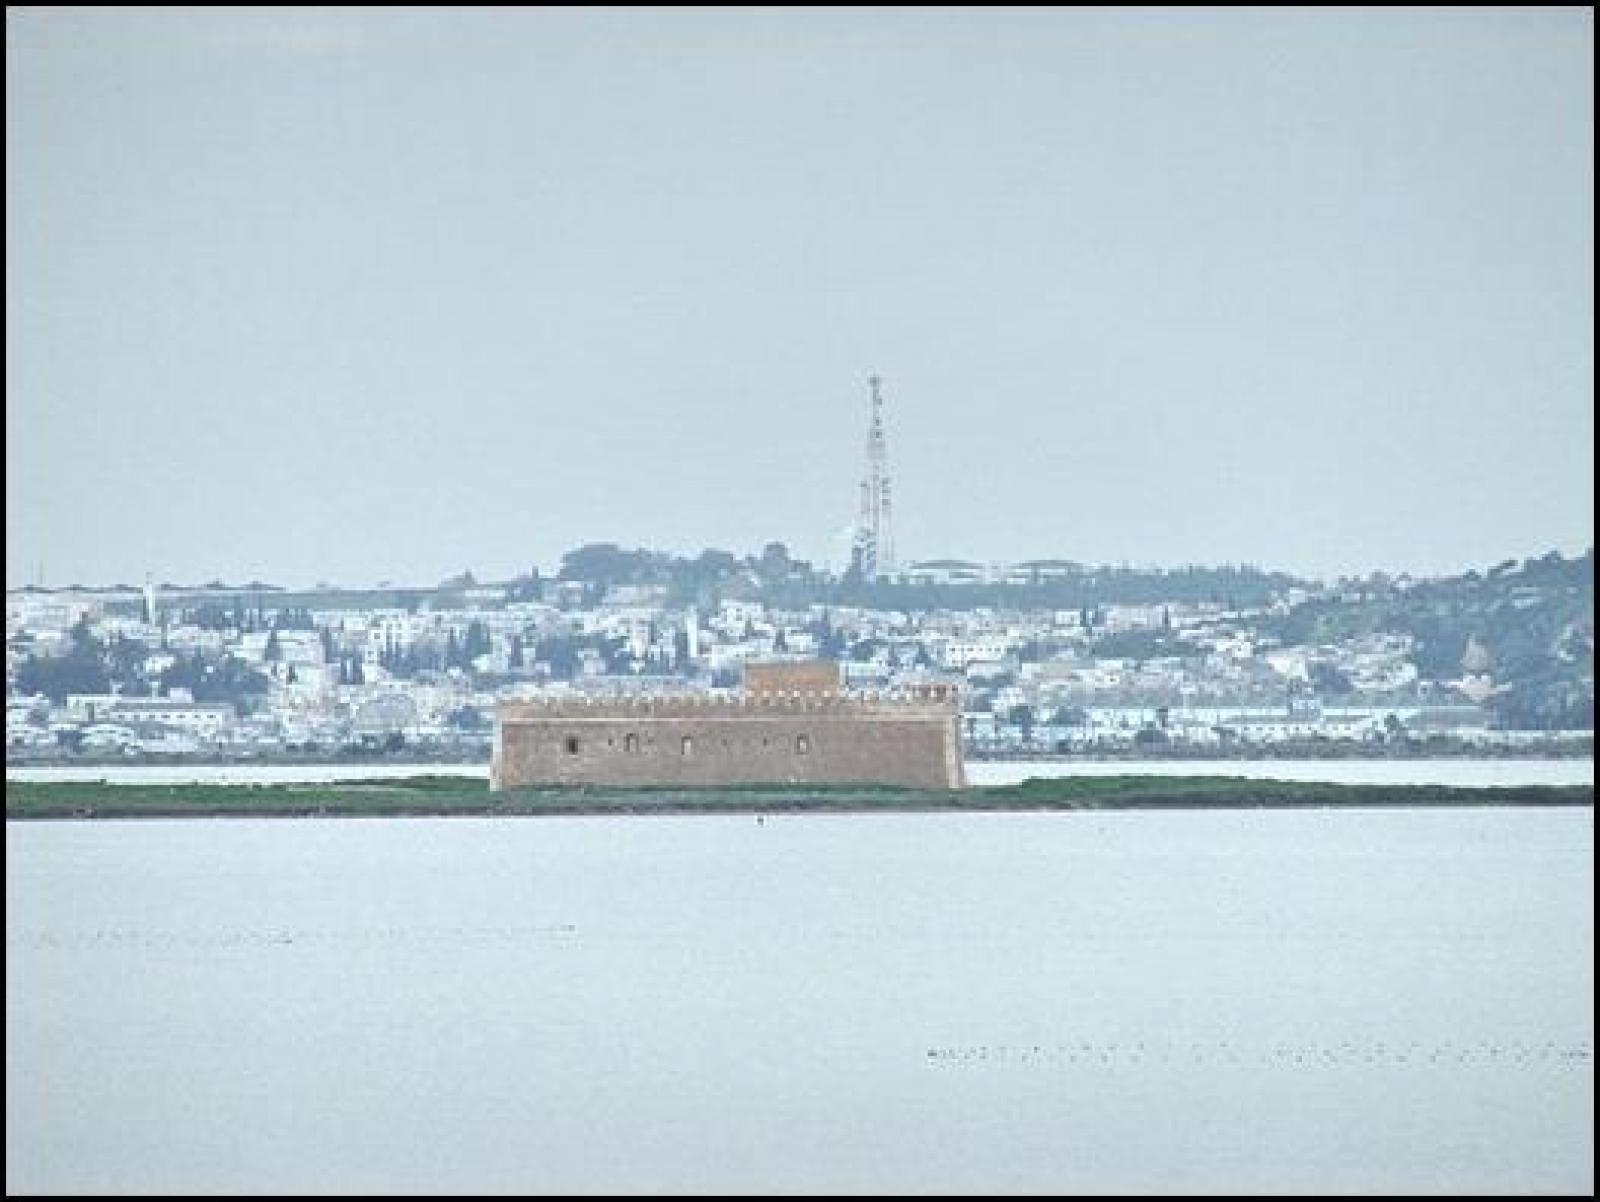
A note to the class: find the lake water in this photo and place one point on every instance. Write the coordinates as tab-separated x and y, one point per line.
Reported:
1466	772
1139	1002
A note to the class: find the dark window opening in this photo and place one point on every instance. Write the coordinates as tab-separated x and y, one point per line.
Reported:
802	744
571	745
630	743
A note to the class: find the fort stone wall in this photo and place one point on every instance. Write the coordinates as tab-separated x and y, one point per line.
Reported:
800	737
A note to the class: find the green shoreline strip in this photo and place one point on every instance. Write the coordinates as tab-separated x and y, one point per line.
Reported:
443	796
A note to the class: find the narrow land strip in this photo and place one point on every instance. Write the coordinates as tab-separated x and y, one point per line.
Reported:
441	796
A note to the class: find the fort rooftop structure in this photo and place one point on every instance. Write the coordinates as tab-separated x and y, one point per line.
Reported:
791	725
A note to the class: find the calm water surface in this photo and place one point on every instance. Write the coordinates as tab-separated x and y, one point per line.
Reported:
1135	1002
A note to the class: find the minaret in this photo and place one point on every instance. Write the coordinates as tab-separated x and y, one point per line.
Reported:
149	600
874	541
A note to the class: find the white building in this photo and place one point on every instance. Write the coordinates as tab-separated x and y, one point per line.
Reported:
201	719
945	571
957	653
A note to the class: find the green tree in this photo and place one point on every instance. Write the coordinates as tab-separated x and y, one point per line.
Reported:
80	670
608	565
1328	680
124	659
1022	716
227	679
469	718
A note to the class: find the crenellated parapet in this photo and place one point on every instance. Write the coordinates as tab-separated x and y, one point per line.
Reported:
895	703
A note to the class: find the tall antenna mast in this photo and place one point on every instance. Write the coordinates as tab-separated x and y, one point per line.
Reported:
874	543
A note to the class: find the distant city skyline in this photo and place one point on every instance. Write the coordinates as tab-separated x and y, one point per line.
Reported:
996	571
342	295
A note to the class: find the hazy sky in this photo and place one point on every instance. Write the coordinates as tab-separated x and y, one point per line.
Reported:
361	295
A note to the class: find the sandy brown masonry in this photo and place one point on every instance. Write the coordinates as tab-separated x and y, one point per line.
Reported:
791	725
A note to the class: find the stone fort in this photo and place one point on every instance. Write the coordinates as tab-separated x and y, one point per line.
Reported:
791	724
